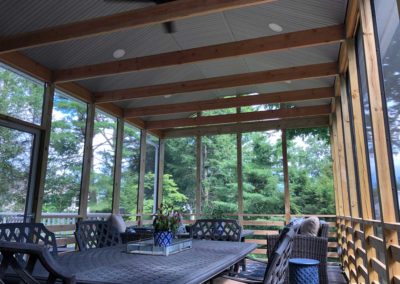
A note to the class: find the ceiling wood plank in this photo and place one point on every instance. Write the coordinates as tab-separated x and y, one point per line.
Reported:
291	123
240	117
246	79
281	97
156	14
312	37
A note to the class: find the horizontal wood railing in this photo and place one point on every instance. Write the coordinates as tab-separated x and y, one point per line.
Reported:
63	225
355	251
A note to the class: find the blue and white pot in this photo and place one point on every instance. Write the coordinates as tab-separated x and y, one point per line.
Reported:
163	238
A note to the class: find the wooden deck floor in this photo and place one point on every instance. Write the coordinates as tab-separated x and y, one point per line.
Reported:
335	276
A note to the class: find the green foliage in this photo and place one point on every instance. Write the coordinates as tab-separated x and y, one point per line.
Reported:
310	174
166	219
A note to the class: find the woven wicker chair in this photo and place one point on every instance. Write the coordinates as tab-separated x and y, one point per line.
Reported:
92	234
274	271
216	229
308	247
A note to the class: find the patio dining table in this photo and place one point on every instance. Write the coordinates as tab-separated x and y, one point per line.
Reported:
202	262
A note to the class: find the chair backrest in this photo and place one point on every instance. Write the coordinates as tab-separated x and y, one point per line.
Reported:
216	229
323	229
96	234
34	233
279	260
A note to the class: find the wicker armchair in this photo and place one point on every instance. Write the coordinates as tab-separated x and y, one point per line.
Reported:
274	271
96	234
216	229
308	247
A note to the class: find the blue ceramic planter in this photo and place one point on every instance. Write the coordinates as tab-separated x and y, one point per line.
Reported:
163	238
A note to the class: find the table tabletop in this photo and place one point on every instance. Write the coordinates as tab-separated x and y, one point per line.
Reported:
113	265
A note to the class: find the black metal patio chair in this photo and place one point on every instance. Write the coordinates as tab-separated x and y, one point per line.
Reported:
216	229
22	245
34	233
96	234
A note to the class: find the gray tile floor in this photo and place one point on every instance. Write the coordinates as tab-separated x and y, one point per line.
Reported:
335	275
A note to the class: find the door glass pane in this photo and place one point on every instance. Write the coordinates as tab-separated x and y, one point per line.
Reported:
15	167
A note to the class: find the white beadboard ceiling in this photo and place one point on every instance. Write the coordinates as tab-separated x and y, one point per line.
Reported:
233	25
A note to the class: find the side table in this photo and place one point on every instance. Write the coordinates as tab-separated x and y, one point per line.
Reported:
303	270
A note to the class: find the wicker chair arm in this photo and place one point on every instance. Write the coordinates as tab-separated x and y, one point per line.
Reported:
35	252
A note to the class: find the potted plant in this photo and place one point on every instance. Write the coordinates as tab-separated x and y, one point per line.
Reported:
165	224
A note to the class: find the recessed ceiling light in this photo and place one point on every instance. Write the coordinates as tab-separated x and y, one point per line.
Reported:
167	96
118	53
288	81
275	27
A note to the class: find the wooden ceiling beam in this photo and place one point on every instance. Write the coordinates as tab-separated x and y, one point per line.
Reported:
246	79
312	37
270	98
23	63
240	117
290	123
156	14
26	65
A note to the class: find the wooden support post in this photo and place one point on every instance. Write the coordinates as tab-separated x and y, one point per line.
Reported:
160	178
239	169
286	176
359	137
117	166
199	174
335	178
336	170
352	182
142	170
87	161
43	152
386	191
346	238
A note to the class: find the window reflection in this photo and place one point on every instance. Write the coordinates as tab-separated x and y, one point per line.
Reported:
388	30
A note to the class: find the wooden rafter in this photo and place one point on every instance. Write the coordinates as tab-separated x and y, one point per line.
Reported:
246	79
25	64
281	97
291	123
352	17
171	11
312	37
240	117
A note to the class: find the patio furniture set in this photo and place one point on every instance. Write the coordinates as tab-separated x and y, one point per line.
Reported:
29	253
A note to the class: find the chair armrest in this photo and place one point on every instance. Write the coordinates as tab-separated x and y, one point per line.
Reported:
35	251
310	247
